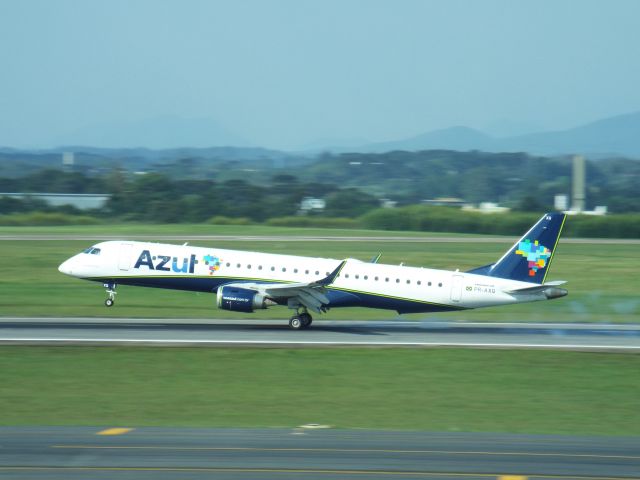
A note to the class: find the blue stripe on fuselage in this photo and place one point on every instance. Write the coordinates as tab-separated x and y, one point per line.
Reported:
337	297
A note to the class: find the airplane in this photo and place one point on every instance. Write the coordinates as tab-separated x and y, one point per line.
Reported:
246	281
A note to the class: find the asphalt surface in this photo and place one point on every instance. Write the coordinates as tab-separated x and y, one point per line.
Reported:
269	333
162	453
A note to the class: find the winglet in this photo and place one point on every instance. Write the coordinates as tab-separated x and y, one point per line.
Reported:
328	280
375	258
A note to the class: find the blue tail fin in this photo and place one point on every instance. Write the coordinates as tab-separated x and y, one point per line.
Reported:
529	259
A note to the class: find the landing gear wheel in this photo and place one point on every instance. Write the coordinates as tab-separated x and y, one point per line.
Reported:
296	323
111	292
306	320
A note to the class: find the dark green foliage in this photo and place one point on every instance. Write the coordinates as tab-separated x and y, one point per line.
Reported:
46	219
352	186
446	219
512	179
349	202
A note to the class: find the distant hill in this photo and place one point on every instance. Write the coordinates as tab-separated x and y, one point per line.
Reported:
161	132
613	135
619	135
205	161
453	138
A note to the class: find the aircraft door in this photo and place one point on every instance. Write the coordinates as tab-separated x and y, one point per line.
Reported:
124	256
456	288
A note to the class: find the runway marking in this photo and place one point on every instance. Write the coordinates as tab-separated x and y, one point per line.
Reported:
512	477
114	431
301	471
345	450
293	343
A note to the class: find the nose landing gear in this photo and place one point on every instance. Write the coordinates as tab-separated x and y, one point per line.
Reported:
111	291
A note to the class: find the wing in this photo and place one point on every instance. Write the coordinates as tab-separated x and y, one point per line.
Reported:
310	295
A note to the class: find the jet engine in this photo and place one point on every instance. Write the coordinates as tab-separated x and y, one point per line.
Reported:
241	299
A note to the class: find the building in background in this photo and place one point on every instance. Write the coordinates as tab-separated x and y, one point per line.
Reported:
81	201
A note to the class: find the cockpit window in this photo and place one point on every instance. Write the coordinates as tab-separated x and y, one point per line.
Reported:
92	251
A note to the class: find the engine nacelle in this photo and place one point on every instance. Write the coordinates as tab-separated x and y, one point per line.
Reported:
241	299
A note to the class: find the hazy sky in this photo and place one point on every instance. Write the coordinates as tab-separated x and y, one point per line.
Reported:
285	74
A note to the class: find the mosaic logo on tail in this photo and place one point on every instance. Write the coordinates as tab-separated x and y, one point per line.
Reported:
537	255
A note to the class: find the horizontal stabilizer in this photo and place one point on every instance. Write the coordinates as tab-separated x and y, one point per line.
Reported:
550	289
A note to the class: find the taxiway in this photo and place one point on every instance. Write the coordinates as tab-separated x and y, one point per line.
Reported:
303	453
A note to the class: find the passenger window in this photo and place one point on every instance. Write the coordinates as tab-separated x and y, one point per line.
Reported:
366	277
295	270
419	282
440	284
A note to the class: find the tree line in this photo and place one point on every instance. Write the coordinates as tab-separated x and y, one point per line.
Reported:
155	197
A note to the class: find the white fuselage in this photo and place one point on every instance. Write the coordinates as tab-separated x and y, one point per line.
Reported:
402	288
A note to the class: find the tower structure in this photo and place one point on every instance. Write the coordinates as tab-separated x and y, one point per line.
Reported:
578	186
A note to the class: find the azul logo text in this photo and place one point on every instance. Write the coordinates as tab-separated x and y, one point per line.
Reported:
166	263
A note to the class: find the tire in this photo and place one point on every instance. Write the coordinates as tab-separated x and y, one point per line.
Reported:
109	302
306	320
295	323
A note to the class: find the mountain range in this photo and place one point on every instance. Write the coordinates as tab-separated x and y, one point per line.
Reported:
612	136
203	137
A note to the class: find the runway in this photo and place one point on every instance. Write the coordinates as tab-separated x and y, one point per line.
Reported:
323	333
164	453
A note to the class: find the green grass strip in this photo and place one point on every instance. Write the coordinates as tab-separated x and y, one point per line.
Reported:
421	389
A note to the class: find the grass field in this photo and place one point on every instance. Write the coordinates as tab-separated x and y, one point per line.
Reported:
208	229
441	390
603	282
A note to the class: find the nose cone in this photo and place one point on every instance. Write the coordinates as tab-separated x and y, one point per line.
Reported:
65	267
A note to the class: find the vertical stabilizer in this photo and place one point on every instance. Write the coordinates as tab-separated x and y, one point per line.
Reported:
530	257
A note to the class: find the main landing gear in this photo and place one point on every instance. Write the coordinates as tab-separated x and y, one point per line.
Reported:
300	320
111	291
